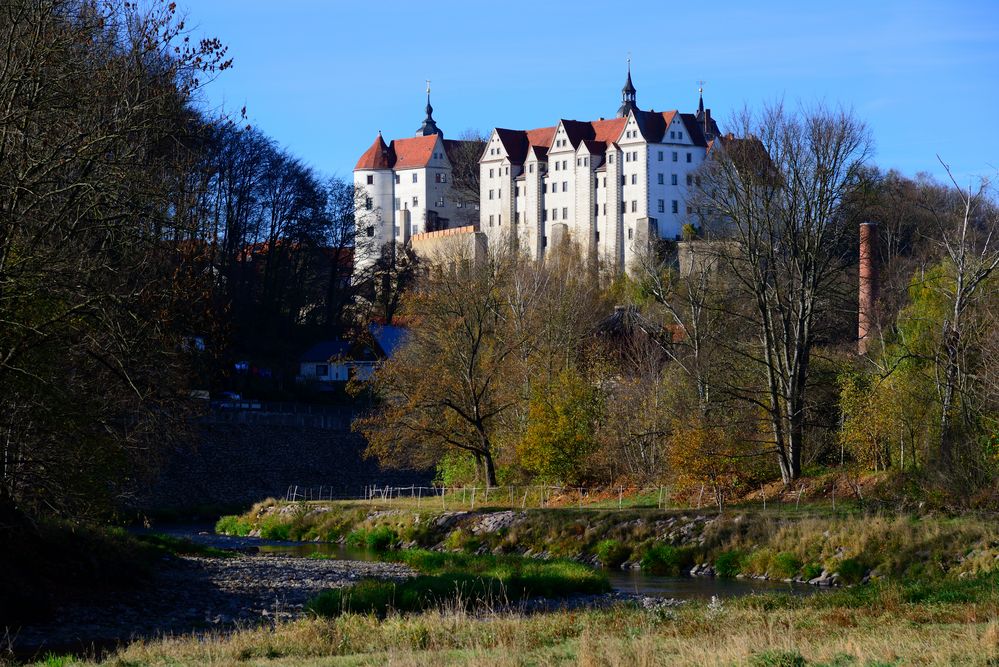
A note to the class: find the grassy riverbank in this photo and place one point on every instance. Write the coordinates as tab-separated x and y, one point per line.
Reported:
778	544
943	623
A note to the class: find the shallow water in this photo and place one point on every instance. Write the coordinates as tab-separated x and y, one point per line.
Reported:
623	581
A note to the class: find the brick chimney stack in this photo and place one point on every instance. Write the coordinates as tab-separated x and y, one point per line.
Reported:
869	285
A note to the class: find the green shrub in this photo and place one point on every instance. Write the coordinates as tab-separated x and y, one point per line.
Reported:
381	538
784	565
810	571
462	540
358	539
233	525
611	553
666	559
851	570
728	564
275	528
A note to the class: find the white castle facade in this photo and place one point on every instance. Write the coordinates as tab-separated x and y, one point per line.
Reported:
608	185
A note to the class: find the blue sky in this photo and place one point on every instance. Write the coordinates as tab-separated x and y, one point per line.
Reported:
324	76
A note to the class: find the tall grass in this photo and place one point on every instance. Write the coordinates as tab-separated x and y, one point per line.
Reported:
464	580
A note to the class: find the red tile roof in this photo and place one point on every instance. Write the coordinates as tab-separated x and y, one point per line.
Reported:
376	157
413	151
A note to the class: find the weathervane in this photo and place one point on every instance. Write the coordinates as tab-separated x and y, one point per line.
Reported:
700	86
428	86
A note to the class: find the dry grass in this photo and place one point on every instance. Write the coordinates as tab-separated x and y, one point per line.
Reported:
733	634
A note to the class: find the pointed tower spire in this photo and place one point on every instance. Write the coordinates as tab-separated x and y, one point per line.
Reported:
700	99
429	124
627	95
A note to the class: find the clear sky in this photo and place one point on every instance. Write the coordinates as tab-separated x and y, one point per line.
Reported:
322	77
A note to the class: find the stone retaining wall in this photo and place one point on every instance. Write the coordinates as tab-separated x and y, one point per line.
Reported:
242	457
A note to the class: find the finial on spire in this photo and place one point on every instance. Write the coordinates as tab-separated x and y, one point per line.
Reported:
700	98
429	125
627	94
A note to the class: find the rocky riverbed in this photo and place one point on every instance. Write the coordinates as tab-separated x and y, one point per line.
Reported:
190	594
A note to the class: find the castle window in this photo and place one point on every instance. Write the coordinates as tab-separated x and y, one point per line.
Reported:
634	179
415	177
530	168
690	179
491	173
603	208
679	135
689	157
676	206
554	214
506	170
676	156
367	203
371	179
634	156
499	194
565	186
627	157
672	135
660	179
605	181
565	213
416	201
630	233
610	159
490	221
397	178
499	220
660	156
556	165
579	162
490	194
634	205
672	179
662	206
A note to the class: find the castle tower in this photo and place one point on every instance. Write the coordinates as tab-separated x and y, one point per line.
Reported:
628	102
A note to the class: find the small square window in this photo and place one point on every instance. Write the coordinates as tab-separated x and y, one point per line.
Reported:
662	206
672	179
690	157
415	177
661	179
676	156
371	179
675	206
634	206
565	212
660	156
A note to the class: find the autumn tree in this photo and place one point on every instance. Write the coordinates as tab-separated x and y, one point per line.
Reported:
447	388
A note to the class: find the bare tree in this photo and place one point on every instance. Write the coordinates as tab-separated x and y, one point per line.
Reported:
778	192
967	237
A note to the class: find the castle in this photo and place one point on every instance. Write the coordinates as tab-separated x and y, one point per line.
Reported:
610	185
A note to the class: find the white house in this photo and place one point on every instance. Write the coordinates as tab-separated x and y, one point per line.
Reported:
406	190
611	185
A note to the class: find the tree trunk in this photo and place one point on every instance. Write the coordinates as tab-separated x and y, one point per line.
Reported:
490	470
